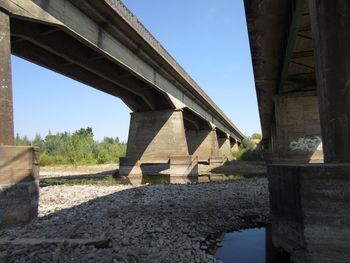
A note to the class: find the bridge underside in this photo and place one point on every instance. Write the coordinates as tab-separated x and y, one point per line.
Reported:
301	63
173	121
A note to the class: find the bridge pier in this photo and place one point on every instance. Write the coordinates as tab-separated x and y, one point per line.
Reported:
297	137
157	137
224	146
19	166
309	202
6	102
204	144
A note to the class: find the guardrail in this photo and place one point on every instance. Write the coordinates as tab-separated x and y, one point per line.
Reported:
123	11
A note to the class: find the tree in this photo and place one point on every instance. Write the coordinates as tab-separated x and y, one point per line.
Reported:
256	136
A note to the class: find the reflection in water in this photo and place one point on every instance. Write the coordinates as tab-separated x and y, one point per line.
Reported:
146	179
250	245
167	179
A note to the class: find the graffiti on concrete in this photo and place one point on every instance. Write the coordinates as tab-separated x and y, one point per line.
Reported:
308	144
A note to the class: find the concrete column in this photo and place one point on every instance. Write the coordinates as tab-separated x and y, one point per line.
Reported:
234	146
6	103
225	147
154	137
298	135
330	22
203	144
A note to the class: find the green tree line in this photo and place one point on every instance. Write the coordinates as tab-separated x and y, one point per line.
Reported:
249	151
77	148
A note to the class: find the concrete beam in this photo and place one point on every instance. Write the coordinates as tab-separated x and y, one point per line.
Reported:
296	14
330	29
6	101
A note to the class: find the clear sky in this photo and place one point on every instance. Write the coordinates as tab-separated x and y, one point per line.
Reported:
208	38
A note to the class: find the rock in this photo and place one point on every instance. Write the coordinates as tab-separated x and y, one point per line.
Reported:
165	223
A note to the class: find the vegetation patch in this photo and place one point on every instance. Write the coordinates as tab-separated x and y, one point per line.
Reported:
77	148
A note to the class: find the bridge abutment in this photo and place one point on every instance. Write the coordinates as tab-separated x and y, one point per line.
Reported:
157	137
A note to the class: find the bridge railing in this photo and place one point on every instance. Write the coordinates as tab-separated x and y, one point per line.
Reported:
124	12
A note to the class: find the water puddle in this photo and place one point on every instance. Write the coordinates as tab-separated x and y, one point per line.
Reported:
247	246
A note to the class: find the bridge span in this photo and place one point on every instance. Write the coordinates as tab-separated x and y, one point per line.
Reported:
102	44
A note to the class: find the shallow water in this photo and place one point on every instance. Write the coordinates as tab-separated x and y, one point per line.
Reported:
249	246
147	179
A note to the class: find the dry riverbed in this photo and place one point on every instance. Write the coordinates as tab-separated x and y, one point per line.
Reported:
123	223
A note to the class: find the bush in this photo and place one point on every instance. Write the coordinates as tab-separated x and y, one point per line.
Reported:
248	150
78	148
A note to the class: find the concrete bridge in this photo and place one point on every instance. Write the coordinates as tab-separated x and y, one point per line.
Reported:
102	44
301	61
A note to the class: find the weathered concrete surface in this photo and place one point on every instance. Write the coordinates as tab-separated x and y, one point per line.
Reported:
6	103
330	31
19	189
153	138
298	133
202	143
183	166
225	148
310	212
122	59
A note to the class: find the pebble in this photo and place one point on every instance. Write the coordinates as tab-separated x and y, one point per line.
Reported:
167	223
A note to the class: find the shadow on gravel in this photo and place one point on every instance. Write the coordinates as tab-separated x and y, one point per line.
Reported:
151	223
242	169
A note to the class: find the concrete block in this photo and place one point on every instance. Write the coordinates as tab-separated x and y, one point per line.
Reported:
129	168
216	160
19	185
310	211
183	166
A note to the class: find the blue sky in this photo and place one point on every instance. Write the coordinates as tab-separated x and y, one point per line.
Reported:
208	38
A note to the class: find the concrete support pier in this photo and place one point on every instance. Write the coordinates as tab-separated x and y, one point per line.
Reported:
6	104
310	212
225	147
204	144
154	137
330	25
298	133
310	203
19	166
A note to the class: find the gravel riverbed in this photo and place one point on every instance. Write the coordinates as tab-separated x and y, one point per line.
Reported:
148	223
